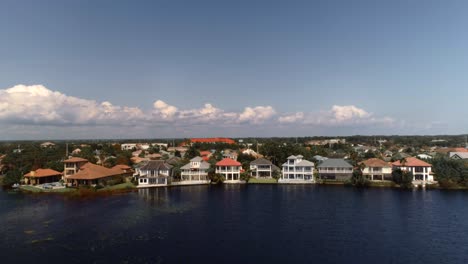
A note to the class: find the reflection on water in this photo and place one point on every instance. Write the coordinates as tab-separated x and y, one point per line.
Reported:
187	224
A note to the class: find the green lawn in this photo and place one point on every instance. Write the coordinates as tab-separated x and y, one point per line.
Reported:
262	181
122	186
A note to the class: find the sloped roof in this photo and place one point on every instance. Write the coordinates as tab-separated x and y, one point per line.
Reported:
122	167
292	157
462	155
196	159
375	162
90	171
412	162
42	173
228	162
335	163
75	159
305	163
156	165
173	160
212	140
260	161
203	165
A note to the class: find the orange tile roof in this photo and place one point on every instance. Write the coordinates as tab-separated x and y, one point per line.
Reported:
228	162
122	167
91	171
412	162
39	173
75	159
212	140
375	162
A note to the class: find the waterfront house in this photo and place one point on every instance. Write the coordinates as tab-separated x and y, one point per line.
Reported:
195	172
154	173
335	169
262	168
377	170
79	171
422	171
229	169
41	176
297	170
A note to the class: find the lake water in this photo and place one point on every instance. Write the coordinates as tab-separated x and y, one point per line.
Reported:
237	224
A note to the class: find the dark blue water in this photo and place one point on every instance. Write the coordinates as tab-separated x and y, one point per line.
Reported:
237	224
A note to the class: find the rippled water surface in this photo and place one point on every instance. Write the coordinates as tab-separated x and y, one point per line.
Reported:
237	224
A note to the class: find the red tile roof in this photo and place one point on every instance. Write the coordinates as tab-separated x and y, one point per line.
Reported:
228	162
42	173
91	171
212	140
412	162
122	167
75	159
374	162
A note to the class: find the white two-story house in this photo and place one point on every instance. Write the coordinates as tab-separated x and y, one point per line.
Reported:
154	173
195	172
335	170
297	170
422	171
262	168
377	170
229	169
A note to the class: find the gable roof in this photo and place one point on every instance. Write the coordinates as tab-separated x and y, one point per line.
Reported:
42	173
122	167
203	165
196	159
90	171
461	155
75	159
335	163
305	163
412	162
375	162
156	165
260	161
228	162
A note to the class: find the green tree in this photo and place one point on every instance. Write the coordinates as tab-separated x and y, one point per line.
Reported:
12	177
358	179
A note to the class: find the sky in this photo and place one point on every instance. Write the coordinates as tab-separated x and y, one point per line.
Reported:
170	68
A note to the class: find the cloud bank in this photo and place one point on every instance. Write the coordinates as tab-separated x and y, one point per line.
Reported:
36	105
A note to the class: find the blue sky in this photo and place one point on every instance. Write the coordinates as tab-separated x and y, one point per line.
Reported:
337	67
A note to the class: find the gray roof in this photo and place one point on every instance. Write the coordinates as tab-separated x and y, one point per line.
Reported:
203	165
334	163
173	160
156	165
292	157
196	159
261	161
305	163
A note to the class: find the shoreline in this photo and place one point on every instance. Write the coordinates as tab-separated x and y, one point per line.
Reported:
128	187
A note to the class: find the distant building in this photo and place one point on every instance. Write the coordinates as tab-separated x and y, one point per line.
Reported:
335	169
297	170
377	170
47	145
458	155
128	146
231	154
211	140
424	156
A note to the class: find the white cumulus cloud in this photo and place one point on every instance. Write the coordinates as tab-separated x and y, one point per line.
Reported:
257	115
